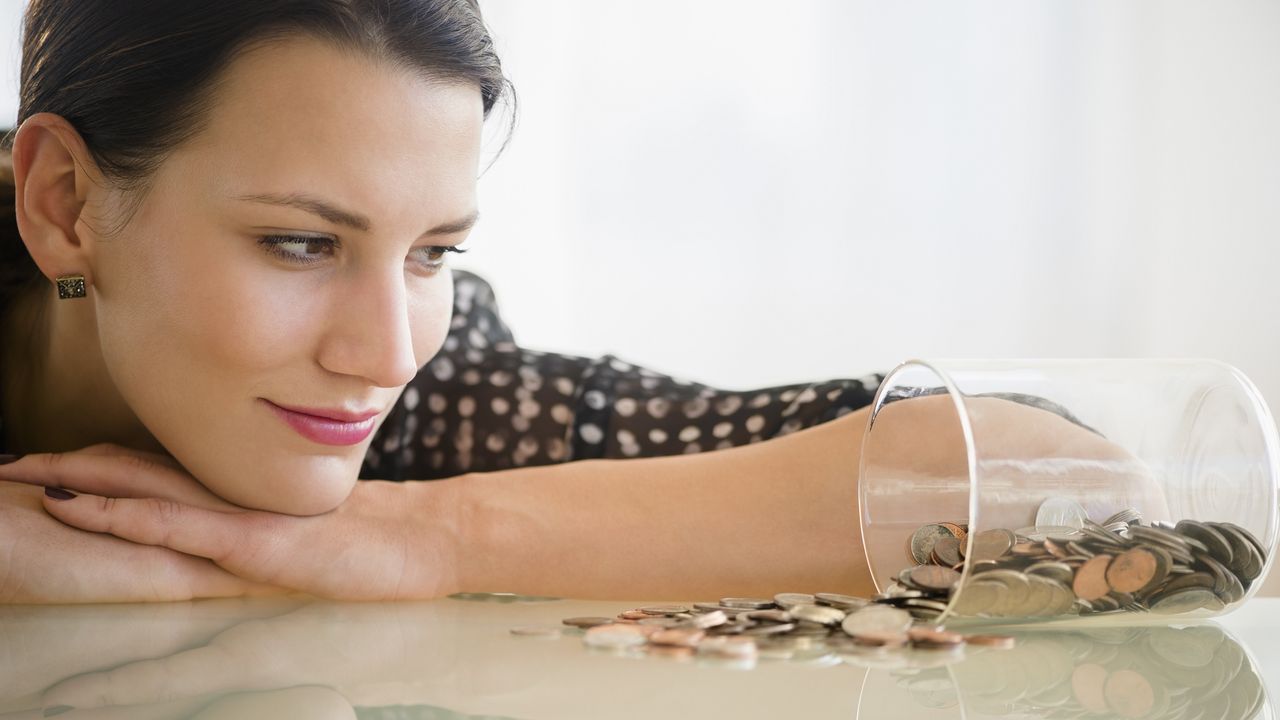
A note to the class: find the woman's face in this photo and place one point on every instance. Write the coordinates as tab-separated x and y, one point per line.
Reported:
208	331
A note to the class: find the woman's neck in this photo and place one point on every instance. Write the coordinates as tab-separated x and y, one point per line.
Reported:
57	394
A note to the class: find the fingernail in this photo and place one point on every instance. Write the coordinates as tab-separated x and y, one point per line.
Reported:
6	459
58	493
57	710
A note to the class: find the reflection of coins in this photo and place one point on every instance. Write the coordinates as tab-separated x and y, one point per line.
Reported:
586	622
923	540
876	618
1128	694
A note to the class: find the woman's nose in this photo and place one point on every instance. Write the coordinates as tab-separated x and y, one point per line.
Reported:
369	333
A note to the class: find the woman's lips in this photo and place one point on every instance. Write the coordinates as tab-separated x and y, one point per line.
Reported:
323	430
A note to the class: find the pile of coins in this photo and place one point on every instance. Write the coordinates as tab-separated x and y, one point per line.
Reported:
1068	564
790	626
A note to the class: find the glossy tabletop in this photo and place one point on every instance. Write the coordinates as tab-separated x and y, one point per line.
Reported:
458	658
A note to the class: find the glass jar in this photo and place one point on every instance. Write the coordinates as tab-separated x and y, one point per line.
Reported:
1033	490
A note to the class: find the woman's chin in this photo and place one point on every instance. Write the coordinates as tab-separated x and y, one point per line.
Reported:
311	493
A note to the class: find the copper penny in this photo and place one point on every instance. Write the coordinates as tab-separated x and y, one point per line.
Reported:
929	636
880	639
680	637
947	551
1131	570
1004	642
1091	579
934	577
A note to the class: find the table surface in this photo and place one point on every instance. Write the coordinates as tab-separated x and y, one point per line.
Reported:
457	658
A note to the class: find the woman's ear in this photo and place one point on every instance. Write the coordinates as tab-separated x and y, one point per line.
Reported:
52	181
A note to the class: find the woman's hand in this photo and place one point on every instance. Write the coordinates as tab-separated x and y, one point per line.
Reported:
45	561
387	541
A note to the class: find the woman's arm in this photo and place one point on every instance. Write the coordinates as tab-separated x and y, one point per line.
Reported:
759	519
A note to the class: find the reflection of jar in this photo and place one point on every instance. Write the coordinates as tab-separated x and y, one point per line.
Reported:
1119	672
1018	490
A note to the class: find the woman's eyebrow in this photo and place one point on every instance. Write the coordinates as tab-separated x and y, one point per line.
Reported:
338	216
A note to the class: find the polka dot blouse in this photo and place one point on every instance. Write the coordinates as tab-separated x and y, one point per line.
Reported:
484	403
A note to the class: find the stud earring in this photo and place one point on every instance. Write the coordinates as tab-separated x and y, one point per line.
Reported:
70	286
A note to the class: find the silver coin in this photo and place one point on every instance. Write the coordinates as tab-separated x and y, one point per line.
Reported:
837	600
923	540
787	600
1061	511
746	603
820	614
876	619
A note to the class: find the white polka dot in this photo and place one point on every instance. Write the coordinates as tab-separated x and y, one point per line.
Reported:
529	408
430	440
520	423
626	407
692	448
790	426
466	406
410	398
690	433
391	443
696	407
523	393
755	423
505	346
843	411
437	425
619	365
483	323
528	446
724	444
631	450
464	459
436	403
450	344
532	382
728	405
807	395
658	435
591	433
500	378
658	406
722	430
500	405
459	320
464	440
561	413
474	356
626	437
756	438
564	385
495	442
442	368
437	459
594	399
477	338
831	396
760	400
649	383
555	448
787	396
471	376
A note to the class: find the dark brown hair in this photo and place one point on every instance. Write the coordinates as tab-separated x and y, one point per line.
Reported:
136	78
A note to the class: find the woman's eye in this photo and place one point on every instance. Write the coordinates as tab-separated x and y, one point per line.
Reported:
304	250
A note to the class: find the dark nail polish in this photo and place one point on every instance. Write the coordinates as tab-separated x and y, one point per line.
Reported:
6	459
58	493
57	710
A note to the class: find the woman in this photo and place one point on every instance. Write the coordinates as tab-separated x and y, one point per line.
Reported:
225	299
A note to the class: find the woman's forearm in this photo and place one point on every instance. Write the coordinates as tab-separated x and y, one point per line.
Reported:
775	516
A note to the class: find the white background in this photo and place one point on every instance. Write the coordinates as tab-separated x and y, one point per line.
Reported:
753	193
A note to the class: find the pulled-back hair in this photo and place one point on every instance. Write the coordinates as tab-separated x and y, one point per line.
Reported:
137	78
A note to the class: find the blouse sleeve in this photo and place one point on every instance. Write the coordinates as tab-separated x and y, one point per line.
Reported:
483	403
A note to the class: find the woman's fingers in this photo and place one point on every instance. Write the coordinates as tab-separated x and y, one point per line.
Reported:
111	470
213	534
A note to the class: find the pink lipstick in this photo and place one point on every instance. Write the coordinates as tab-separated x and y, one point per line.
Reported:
327	427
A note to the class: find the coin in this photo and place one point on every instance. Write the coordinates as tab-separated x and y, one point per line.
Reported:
946	550
681	637
992	544
1003	642
786	600
586	622
664	609
881	639
934	577
837	600
923	540
1132	570
874	618
615	636
820	614
1212	539
1091	579
930	637
1061	511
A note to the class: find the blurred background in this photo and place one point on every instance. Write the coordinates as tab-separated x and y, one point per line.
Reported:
754	193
